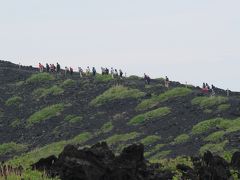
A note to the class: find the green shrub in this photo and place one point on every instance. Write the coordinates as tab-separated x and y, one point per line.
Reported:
208	111
206	102
205	125
173	93
107	127
160	155
150	140
225	124
157	113
81	138
122	137
103	78
30	175
215	137
45	113
223	107
181	139
39	78
51	149
214	148
15	123
116	93
73	118
154	150
15	100
43	92
11	147
20	83
68	83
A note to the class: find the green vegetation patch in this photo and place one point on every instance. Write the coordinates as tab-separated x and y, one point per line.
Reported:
12	147
103	78
107	127
181	139
117	138
157	113
155	100
16	123
73	118
214	148
30	175
223	107
215	137
228	125
68	83
154	150
45	113
40	78
51	149
43	92
160	155
206	102
116	93
150	140
13	101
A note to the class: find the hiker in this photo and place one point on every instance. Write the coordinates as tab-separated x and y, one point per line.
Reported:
66	71
116	73
213	92
103	70
58	68
167	82
147	79
205	88
112	73
40	67
120	73
228	92
80	72
52	68
88	71
94	71
47	67
71	71
107	71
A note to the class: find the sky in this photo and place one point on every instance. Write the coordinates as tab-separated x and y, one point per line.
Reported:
189	41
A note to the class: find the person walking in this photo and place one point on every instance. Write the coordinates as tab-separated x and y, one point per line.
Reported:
94	71
167	82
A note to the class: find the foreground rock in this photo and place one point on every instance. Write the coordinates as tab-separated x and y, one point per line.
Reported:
99	163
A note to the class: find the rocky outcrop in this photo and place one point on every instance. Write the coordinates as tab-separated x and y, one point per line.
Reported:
99	163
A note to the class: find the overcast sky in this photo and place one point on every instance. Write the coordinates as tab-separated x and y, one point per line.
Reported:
193	41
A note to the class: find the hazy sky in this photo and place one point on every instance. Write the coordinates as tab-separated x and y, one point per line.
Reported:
193	41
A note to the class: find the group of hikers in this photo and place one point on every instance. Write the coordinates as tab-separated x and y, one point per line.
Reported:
148	79
51	68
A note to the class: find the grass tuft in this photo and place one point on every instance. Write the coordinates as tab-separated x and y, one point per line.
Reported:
73	118
215	137
157	113
116	93
13	101
12	147
68	83
150	140
206	102
214	148
39	78
155	100
43	92
181	139
45	113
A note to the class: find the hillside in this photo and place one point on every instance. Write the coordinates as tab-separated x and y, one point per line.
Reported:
40	113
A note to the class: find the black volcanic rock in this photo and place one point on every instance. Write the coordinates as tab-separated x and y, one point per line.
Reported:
99	163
